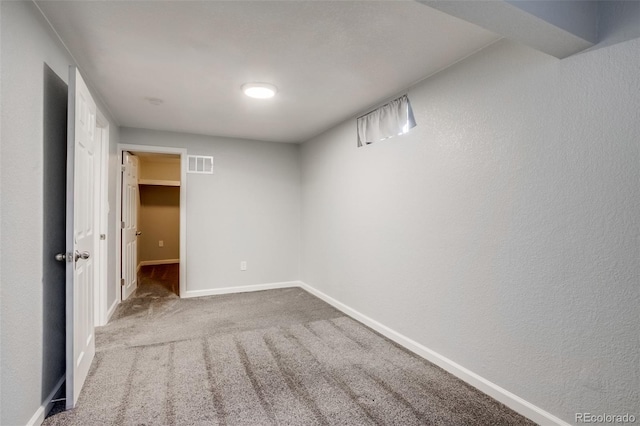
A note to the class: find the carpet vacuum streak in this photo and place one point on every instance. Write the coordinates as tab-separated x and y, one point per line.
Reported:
276	357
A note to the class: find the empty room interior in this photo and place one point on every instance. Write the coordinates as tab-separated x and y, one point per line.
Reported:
320	212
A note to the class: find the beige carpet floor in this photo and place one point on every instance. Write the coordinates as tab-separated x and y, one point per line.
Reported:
277	357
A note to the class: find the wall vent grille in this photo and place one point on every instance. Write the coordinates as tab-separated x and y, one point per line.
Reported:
200	164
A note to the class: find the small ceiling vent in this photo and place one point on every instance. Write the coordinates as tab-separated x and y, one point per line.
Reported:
200	164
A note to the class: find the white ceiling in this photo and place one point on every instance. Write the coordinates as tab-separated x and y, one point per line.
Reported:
329	59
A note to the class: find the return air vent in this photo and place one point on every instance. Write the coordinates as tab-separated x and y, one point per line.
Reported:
200	164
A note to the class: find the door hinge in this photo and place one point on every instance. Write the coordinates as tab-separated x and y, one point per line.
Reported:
122	225
122	168
122	282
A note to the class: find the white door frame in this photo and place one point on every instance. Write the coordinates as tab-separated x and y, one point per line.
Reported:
130	208
102	219
81	229
182	152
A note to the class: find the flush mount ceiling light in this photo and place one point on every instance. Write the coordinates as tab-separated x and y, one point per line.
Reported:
259	90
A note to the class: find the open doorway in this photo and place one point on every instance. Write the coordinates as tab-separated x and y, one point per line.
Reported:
158	234
152	220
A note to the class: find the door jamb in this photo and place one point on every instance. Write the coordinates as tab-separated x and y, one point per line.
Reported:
102	247
182	152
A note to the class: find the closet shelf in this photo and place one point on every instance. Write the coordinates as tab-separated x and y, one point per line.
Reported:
158	182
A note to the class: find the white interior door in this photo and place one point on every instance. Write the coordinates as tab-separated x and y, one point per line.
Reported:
81	234
129	224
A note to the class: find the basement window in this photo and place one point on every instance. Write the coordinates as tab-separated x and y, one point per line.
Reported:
392	119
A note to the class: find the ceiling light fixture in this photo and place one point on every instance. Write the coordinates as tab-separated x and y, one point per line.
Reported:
259	90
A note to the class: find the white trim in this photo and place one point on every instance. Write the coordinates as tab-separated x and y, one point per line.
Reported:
102	213
42	411
512	401
112	309
182	152
157	262
158	182
118	225
241	289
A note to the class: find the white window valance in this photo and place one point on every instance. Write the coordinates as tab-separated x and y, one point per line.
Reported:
392	119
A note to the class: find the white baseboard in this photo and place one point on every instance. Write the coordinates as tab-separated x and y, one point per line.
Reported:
112	309
157	262
512	401
40	414
241	289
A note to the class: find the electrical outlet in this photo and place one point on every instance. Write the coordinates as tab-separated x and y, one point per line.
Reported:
243	265
160	243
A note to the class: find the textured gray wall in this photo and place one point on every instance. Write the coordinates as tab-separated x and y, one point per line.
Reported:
502	232
249	209
29	350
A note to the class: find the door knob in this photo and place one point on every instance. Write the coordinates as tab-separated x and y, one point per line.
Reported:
138	233
61	257
84	255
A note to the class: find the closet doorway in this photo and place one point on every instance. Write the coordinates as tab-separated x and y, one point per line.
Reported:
152	219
